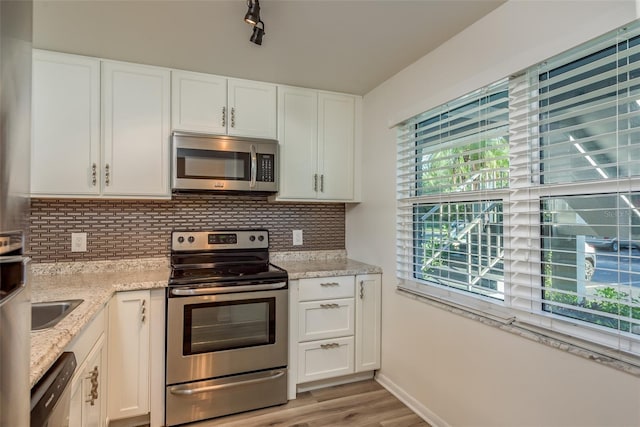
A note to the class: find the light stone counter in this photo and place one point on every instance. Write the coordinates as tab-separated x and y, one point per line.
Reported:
95	282
311	264
95	288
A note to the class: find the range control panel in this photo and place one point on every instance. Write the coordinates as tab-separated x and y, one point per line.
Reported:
219	239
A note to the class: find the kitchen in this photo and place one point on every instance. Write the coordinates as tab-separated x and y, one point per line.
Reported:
403	370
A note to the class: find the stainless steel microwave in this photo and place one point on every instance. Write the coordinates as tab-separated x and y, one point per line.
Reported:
224	163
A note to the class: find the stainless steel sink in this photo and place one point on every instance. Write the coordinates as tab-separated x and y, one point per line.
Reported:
47	314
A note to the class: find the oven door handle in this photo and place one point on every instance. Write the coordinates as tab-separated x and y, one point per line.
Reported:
213	290
182	390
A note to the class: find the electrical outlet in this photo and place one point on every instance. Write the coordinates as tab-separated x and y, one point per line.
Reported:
78	242
297	237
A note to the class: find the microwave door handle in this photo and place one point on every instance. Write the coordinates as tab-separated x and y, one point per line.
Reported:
254	166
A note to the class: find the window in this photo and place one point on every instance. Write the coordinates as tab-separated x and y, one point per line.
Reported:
524	197
454	169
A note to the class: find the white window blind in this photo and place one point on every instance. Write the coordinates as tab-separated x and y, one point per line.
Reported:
523	198
453	168
579	118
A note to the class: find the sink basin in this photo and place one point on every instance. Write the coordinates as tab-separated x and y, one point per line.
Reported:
47	314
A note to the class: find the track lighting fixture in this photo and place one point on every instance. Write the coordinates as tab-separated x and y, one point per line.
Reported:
253	13
258	32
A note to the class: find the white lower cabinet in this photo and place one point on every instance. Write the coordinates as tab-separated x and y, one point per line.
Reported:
88	406
129	354
318	360
334	326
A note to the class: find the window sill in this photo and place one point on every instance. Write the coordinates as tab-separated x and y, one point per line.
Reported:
627	363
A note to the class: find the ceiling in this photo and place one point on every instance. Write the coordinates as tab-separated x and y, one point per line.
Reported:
341	45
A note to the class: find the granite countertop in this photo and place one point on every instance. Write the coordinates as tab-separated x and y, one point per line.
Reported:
326	268
95	282
96	289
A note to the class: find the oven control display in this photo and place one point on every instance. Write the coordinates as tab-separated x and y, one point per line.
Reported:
223	239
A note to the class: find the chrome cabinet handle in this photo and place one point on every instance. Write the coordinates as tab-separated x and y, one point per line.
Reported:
330	305
93	393
224	116
106	174
322	183
233	117
315	182
94	174
330	284
362	289
330	345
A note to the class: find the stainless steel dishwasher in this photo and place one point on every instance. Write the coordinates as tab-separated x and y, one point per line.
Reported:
51	396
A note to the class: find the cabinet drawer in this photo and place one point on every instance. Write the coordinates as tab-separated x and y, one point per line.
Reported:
325	319
325	359
326	288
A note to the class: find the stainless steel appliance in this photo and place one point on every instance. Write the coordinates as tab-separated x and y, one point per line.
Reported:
51	396
227	326
15	132
224	163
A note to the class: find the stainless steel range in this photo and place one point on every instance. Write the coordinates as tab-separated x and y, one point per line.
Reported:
227	326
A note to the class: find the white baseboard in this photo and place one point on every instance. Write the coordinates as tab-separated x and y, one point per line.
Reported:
417	407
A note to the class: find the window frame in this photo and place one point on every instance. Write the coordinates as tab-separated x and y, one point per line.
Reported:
522	238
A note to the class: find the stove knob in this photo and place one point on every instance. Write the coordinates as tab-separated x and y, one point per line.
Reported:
252	238
191	239
261	238
180	239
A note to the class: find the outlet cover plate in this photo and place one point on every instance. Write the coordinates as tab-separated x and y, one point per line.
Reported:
78	242
297	237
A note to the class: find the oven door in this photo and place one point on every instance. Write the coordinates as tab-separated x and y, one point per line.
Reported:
213	334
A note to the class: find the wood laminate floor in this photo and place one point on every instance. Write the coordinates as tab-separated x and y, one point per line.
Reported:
365	403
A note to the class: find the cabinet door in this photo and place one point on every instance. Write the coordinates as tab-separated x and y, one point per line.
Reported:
88	389
336	146
298	136
368	317
94	387
66	125
325	319
198	102
252	109
128	384
318	360
135	101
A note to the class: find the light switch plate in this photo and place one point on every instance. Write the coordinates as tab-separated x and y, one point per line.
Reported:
297	237
78	242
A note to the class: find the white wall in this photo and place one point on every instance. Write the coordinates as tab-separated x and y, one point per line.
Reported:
455	370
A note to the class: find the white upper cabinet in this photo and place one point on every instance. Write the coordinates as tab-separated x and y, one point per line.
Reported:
70	156
65	151
135	100
336	146
317	134
212	104
298	130
198	102
252	109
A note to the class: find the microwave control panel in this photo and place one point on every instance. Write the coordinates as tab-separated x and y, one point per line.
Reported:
266	168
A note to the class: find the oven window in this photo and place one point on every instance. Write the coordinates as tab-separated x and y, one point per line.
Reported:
228	325
211	164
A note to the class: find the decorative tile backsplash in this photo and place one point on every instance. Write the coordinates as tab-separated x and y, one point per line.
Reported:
123	229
